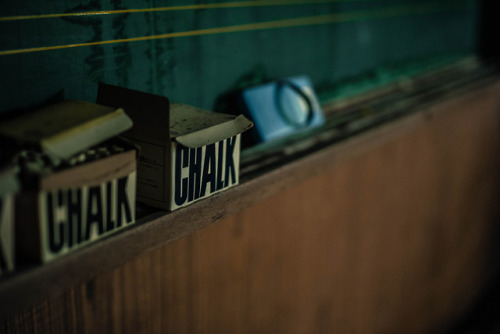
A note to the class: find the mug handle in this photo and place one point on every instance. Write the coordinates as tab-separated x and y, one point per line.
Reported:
280	85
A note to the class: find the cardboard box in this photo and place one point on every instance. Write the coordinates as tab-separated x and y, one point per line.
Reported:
8	188
186	154
66	202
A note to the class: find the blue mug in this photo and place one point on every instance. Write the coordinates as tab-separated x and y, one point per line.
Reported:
281	108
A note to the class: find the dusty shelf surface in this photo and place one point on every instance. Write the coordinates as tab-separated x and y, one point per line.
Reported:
263	175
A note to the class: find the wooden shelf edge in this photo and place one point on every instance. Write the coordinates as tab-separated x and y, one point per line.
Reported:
21	290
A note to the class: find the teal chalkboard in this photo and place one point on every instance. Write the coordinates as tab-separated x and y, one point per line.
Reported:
193	51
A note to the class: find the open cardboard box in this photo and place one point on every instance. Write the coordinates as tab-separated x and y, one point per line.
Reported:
62	208
186	154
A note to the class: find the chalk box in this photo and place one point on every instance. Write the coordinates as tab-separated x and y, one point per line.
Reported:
186	154
62	208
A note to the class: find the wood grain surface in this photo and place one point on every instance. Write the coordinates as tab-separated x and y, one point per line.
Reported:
394	233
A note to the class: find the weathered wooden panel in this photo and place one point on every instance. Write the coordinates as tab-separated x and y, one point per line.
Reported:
397	236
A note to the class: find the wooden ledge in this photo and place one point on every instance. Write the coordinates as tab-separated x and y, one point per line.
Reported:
28	286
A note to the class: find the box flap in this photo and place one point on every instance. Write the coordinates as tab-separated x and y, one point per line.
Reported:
149	112
193	127
68	127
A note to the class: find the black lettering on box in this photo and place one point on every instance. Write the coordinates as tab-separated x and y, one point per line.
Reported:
55	242
74	216
94	211
195	158
79	215
181	186
123	203
110	224
205	170
208	170
230	171
220	168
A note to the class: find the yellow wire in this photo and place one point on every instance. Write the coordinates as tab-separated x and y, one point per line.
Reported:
237	4
296	22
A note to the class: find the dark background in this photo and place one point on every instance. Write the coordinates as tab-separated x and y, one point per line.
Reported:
197	69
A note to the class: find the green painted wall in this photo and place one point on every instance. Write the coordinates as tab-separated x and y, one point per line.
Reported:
196	69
